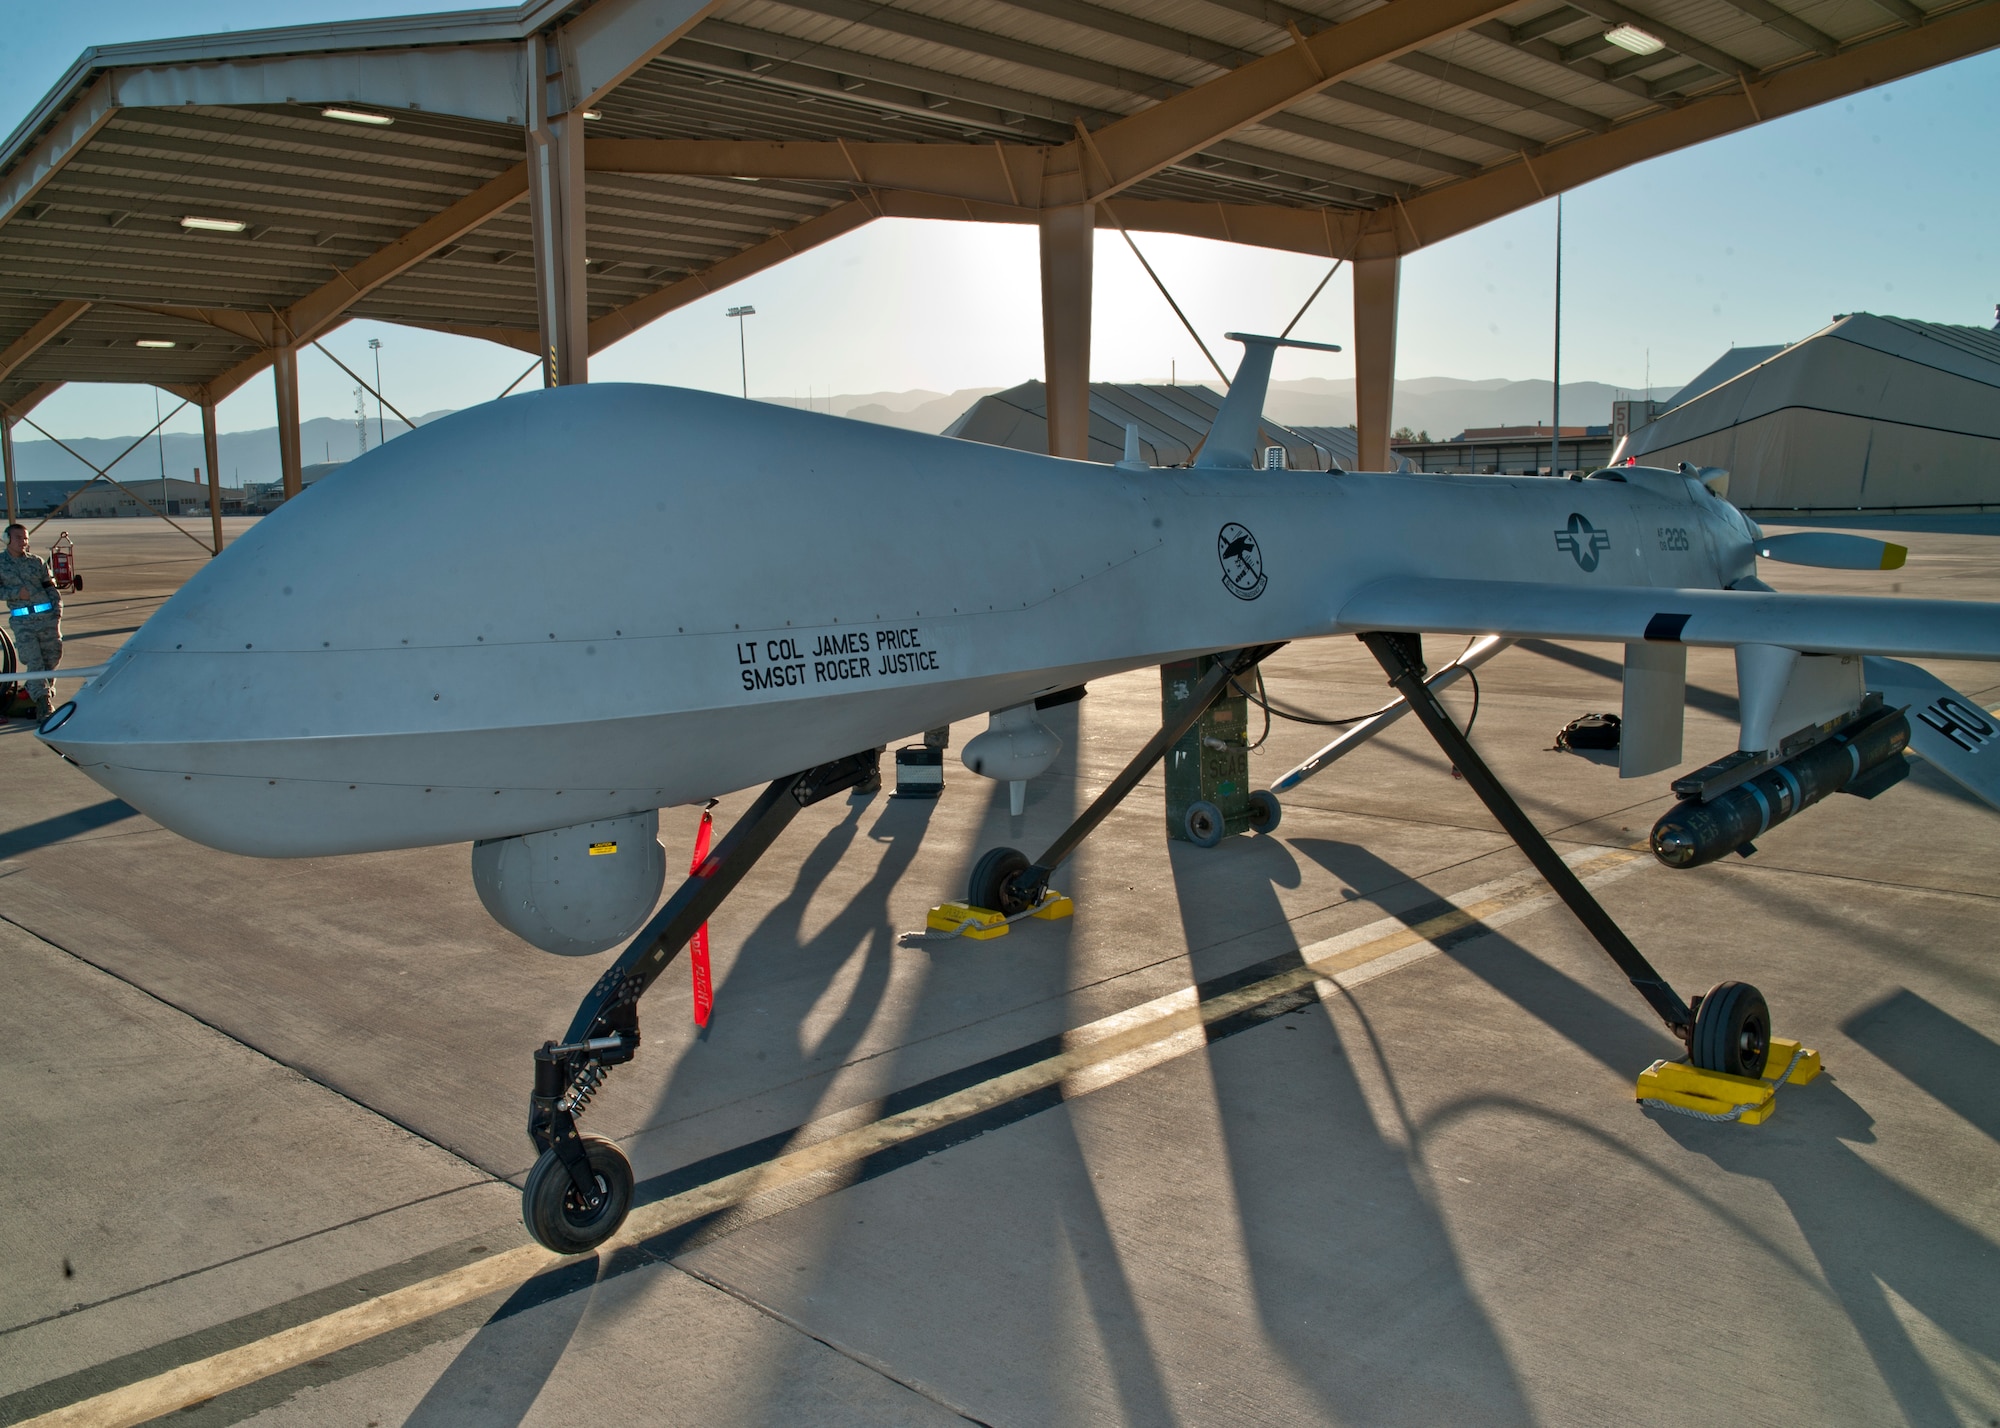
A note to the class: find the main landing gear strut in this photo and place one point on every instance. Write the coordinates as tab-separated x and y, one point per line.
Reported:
1728	1030
1005	881
580	1189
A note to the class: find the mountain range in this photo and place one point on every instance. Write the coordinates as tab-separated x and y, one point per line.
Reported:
1441	406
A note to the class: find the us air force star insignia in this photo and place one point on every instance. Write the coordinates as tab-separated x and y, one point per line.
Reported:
1242	562
1583	540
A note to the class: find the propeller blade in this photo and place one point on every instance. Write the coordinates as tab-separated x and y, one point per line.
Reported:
1833	550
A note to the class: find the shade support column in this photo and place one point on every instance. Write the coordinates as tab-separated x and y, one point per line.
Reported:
285	378
556	217
1376	276
1068	243
209	448
7	459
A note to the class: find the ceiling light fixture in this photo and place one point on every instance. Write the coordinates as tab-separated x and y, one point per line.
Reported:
1634	40
214	225
152	342
356	116
593	113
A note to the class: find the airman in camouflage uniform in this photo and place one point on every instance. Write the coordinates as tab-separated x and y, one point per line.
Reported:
34	614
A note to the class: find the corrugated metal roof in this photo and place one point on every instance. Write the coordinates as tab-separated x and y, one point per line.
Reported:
317	196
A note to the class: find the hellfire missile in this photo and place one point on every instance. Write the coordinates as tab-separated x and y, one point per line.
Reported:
1693	832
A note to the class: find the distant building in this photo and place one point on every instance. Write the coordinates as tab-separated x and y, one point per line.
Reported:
1510	450
1869	413
1172	422
173	497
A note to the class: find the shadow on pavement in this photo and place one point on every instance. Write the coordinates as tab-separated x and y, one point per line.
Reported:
495	1378
65	825
1871	1235
1348	1259
1937	1051
1614	1034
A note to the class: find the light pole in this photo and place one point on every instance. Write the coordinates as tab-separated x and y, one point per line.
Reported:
375	346
742	351
1556	398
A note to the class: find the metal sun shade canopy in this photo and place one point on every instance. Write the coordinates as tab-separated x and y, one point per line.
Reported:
555	175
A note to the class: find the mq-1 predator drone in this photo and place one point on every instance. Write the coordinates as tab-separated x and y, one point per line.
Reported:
754	619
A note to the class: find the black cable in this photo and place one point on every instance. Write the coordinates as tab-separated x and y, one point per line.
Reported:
1295	716
1262	700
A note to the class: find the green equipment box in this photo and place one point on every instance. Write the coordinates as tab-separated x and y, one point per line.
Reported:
1208	770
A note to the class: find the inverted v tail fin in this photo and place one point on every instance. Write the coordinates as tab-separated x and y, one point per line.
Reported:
1955	733
1232	441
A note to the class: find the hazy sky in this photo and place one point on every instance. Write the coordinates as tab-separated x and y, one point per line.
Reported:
1885	202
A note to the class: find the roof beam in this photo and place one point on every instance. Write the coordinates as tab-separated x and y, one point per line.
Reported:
1454	208
987	45
29	400
65	138
522	339
607	43
477	81
1227	57
1320	232
1577	57
820	68
311	314
38	336
1473	82
1613	13
834	223
257	327
1128	150
989	173
1787	24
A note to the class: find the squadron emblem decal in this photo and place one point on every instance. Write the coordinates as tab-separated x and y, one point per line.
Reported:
1242	562
1583	540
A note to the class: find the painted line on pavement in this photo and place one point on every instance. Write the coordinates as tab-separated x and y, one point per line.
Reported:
1098	1054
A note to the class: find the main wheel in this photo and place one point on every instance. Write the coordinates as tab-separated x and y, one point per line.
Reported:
560	1218
992	882
1265	810
1732	1030
1203	824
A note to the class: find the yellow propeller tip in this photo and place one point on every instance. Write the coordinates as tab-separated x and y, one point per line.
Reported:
1893	556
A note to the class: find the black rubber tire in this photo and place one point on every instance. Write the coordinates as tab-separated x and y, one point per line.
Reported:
1732	1030
1265	811
1203	823
76	583
991	883
556	1215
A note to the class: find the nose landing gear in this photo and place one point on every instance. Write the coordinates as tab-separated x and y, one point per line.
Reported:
580	1189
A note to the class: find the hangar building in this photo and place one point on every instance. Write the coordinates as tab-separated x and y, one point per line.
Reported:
1172	422
1869	413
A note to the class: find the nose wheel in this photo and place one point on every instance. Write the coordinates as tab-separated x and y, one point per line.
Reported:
565	1217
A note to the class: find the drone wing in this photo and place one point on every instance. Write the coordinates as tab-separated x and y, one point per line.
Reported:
1815	624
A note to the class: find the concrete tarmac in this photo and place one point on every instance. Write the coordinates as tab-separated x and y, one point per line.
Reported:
248	1097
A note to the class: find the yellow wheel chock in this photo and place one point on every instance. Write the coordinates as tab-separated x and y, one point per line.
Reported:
1716	1096
962	919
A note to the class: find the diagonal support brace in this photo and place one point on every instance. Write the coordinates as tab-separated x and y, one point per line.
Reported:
1402	659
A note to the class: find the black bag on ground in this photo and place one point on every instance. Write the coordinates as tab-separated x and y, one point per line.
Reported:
1592	731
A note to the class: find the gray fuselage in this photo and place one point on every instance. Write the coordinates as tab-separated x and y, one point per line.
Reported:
597	600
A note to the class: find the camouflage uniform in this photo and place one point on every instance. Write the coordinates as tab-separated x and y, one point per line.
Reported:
25	581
